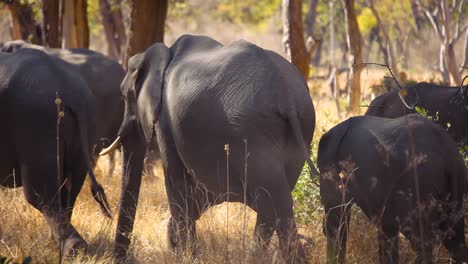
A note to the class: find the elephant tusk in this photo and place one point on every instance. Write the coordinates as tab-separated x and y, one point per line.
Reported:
112	147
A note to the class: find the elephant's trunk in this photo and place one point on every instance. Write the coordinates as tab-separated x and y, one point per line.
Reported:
132	170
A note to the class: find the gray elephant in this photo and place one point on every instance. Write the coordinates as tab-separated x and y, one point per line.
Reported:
387	167
35	144
232	123
446	104
103	76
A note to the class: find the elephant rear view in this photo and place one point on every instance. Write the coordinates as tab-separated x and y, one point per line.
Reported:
102	75
46	137
233	123
405	174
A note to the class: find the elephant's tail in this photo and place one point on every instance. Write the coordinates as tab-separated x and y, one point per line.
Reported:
297	130
96	188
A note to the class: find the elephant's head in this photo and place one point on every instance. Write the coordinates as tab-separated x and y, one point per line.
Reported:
142	91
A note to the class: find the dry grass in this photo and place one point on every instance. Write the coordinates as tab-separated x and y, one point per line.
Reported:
23	231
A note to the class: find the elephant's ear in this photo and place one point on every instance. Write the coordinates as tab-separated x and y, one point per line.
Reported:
149	89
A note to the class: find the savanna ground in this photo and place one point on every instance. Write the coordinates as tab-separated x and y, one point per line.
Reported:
24	232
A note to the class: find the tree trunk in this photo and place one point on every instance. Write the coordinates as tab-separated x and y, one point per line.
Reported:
355	43
75	24
51	23
391	60
465	61
113	27
152	14
310	18
293	35
418	17
23	23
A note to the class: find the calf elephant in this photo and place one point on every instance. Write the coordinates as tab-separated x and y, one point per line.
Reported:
46	147
388	167
447	105
210	105
103	76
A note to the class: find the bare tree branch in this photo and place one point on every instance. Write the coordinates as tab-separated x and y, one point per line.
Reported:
457	23
433	19
400	88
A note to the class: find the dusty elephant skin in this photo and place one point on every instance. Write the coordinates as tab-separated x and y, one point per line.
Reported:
30	80
103	76
204	100
386	166
446	104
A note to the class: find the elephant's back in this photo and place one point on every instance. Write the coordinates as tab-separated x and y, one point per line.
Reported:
233	95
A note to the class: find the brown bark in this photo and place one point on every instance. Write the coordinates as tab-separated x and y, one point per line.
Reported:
23	23
293	35
51	23
355	43
113	27
75	24
146	25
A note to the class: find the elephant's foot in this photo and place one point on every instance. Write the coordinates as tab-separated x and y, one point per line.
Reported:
72	245
182	239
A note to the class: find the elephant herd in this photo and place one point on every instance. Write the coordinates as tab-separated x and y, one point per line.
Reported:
210	110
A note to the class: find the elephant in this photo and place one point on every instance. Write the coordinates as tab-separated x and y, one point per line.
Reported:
103	76
46	146
447	105
233	123
387	167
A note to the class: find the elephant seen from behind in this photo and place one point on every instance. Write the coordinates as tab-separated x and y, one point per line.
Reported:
405	174
214	109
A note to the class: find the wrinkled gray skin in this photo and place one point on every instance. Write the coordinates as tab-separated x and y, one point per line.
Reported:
451	104
366	161
196	97
103	76
28	138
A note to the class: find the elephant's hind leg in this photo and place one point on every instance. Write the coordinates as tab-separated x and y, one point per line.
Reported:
182	203
455	244
276	206
41	191
264	230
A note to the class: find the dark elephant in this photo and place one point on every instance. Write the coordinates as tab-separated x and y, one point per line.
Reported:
447	105
387	167
209	105
48	156
103	76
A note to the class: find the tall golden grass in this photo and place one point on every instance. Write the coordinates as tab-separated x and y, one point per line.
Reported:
24	232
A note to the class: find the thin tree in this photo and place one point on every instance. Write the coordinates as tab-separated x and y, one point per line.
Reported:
75	24
445	20
51	34
389	49
23	22
147	23
355	43
114	28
